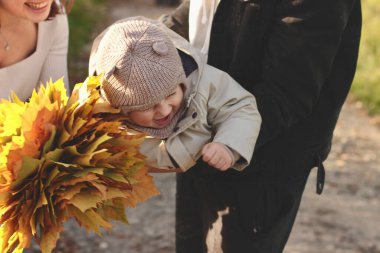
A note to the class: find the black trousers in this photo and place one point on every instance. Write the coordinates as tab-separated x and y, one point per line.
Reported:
234	212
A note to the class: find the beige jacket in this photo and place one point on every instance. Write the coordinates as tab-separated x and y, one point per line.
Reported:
219	110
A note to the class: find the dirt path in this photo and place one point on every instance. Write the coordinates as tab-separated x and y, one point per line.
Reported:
345	219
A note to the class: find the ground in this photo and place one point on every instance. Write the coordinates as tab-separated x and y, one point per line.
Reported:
344	219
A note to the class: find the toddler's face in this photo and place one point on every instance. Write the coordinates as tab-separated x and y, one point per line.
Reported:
161	114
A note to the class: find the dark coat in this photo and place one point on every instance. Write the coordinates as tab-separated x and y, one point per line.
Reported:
298	57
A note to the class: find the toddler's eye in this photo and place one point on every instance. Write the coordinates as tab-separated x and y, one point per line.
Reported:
172	94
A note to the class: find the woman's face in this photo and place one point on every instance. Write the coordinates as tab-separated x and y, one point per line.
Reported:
161	114
33	10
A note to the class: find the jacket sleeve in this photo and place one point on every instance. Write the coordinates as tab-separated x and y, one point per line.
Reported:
156	154
178	20
232	113
299	56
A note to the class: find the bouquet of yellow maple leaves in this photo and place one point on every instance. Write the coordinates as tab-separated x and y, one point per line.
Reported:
64	158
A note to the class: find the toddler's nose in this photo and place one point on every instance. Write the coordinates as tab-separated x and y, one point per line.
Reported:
163	108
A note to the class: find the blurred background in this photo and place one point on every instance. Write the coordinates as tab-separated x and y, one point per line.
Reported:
344	219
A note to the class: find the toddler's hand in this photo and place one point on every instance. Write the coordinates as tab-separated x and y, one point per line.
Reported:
217	155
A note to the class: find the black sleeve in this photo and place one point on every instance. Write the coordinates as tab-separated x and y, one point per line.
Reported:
301	53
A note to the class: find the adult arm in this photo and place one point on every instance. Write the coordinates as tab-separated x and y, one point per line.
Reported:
300	55
163	170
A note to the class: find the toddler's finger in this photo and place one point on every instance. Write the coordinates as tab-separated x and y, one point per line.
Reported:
207	153
221	165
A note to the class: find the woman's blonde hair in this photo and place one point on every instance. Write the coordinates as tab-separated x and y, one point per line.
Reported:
60	6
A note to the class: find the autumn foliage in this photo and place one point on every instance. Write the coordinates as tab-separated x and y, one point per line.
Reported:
65	158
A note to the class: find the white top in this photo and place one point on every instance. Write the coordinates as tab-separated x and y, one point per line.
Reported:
49	60
201	15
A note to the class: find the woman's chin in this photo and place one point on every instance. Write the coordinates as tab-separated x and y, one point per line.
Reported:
38	13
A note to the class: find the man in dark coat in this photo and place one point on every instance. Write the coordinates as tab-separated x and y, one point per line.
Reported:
298	57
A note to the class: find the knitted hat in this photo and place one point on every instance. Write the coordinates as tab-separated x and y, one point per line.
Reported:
140	63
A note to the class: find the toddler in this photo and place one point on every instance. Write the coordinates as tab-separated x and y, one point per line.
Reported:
188	109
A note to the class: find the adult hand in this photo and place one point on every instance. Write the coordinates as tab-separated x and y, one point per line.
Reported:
163	170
